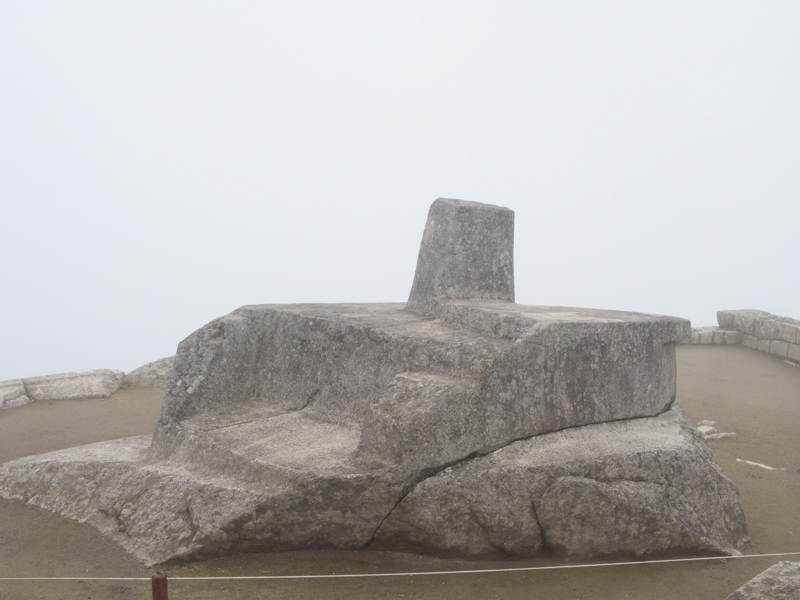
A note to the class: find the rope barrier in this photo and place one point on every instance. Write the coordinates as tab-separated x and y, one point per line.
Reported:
409	574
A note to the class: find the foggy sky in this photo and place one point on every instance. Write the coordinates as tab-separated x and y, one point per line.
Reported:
163	163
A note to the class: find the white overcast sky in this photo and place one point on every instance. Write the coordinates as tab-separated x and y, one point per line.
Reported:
163	163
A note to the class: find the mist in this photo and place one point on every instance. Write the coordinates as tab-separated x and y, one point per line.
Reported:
162	164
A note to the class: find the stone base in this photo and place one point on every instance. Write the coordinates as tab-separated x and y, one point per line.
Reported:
634	488
288	481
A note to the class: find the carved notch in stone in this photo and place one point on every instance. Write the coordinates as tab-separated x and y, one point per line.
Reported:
467	253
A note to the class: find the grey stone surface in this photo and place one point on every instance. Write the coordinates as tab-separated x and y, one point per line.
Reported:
304	425
467	252
733	337
638	487
750	341
152	375
779	582
793	352
706	336
763	345
12	393
778	348
790	333
715	335
99	383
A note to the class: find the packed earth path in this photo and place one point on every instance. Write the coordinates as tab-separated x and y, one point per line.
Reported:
753	395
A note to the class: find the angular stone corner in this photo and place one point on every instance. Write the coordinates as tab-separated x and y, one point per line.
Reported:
467	253
779	582
100	383
304	426
151	375
13	393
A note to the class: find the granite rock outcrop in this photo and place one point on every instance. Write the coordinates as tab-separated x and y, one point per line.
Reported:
342	425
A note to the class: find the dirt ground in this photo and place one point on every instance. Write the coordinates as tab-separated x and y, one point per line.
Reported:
754	395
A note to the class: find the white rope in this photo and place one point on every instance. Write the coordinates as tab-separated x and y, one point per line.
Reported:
412	574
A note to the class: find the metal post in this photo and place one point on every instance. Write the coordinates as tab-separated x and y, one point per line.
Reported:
160	586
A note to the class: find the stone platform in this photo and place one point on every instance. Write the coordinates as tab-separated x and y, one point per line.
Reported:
461	423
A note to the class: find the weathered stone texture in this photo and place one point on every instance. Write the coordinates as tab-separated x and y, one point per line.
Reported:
779	582
793	352
778	348
467	252
400	378
715	335
638	487
12	393
176	509
99	383
152	375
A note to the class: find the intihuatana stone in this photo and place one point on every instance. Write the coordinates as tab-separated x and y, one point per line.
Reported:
100	383
306	425
152	375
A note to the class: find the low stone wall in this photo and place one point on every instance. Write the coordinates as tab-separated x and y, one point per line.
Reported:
100	383
755	329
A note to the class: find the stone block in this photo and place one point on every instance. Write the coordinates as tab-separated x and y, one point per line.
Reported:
741	320
719	337
749	341
12	393
793	352
733	337
100	383
706	336
789	333
767	329
763	345
779	348
695	338
467	252
725	319
780	582
152	375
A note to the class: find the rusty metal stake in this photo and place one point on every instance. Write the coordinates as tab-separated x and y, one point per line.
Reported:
160	586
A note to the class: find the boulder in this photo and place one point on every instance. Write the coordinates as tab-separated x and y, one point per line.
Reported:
304	426
152	375
639	487
100	383
13	393
779	582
